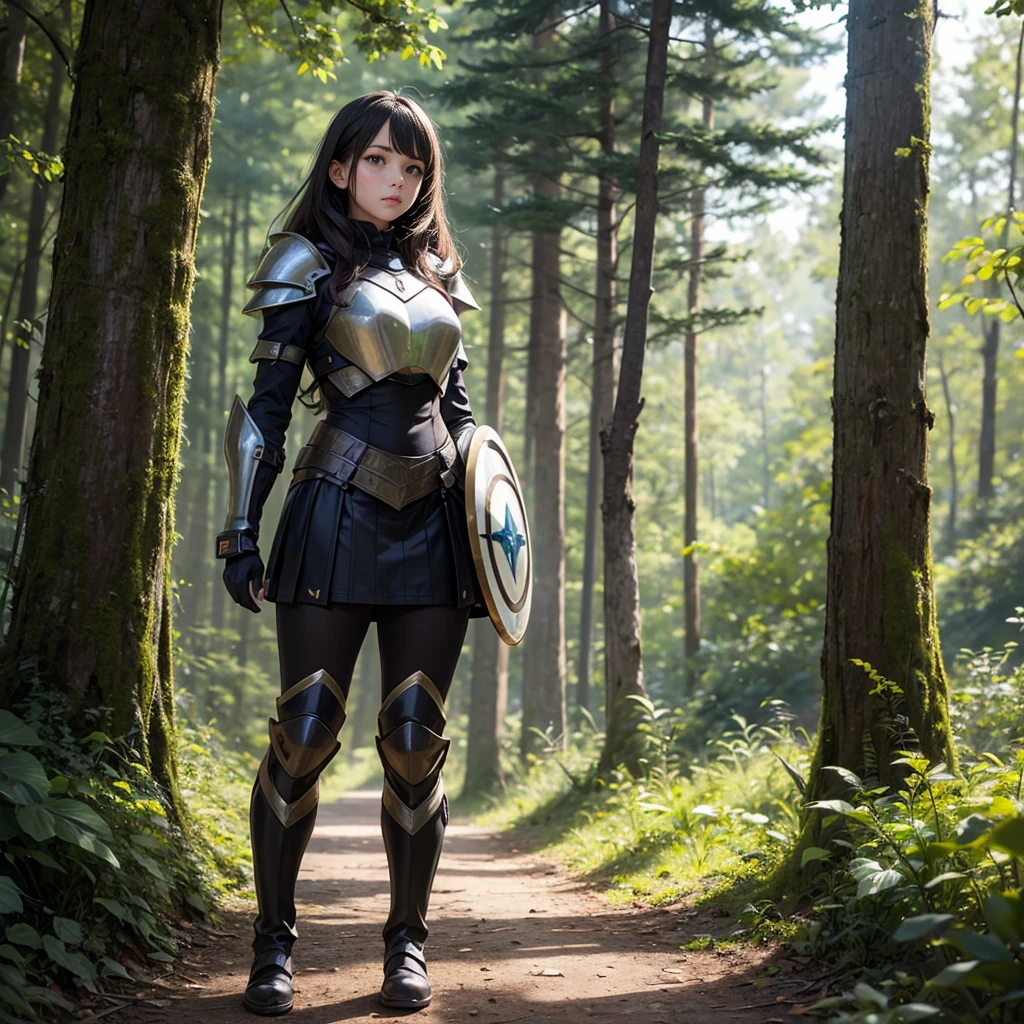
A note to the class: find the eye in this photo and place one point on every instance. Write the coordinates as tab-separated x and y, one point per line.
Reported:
417	169
375	156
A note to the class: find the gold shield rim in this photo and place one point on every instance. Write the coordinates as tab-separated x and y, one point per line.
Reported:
481	436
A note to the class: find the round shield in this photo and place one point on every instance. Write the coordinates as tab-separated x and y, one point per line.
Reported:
499	534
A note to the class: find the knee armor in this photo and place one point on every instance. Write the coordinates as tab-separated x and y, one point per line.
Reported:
303	739
412	750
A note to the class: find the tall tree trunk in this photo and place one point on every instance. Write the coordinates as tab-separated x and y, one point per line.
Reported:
92	601
954	490
544	673
227	308
880	604
990	347
488	702
10	78
28	308
602	393
691	463
624	672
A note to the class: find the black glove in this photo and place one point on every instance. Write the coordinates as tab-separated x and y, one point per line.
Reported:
243	576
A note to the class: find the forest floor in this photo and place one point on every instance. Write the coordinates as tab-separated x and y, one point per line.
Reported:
513	938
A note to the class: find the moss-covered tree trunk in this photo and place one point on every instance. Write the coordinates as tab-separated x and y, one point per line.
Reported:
880	598
488	699
624	670
92	604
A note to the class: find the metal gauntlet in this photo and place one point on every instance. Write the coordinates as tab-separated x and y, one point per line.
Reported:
244	450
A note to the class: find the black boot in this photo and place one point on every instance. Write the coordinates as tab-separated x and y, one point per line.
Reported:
413	819
281	818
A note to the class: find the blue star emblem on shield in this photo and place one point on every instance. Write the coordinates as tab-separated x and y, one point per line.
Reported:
510	539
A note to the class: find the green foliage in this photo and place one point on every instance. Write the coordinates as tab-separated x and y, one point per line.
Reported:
310	34
924	898
95	868
22	155
683	827
988	261
1003	8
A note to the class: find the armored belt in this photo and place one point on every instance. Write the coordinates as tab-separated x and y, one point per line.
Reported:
334	454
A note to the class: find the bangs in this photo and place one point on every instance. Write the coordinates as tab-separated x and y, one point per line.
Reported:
408	133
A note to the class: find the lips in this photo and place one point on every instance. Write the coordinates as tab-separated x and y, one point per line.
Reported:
392	199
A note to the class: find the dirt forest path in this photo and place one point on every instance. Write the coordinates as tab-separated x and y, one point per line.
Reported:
512	939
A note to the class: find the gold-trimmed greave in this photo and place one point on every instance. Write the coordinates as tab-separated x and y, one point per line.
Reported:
303	740
413	750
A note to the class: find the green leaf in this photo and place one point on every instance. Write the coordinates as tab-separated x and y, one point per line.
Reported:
953	975
68	931
10	896
976	946
1009	836
8	952
114	968
81	814
878	882
22	767
814	853
119	910
73	962
924	924
16	733
850	778
22	934
37	822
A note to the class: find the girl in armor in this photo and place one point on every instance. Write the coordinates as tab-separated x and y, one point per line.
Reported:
362	286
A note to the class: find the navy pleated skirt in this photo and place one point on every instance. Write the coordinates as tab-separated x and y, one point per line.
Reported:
340	544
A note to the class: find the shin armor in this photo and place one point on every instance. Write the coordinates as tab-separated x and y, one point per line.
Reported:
412	749
303	739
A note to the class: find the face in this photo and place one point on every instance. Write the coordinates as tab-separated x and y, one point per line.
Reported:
384	183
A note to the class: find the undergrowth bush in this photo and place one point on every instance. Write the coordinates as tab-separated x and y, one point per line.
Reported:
95	873
680	827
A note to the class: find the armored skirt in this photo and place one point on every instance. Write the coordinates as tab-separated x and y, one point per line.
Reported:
337	543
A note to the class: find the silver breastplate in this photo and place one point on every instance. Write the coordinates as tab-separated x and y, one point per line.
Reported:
392	322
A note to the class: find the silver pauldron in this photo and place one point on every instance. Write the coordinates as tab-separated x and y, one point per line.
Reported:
243	450
288	271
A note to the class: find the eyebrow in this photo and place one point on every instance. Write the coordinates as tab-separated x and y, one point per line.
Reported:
388	149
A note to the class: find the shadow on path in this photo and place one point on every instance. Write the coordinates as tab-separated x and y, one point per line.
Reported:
511	939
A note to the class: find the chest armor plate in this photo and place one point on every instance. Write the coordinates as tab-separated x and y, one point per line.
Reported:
392	322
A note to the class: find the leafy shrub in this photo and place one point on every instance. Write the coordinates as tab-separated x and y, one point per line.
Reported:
94	868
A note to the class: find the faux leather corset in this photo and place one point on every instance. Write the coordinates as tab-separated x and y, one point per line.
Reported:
392	321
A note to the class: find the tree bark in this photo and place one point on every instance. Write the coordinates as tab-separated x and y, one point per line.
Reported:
624	672
954	489
602	393
28	305
544	671
880	604
92	605
227	309
691	463
10	78
488	701
990	346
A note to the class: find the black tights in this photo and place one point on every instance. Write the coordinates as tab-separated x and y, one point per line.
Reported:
427	638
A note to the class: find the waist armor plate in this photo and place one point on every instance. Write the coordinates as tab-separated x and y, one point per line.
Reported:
394	322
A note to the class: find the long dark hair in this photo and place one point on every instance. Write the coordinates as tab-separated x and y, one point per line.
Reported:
319	209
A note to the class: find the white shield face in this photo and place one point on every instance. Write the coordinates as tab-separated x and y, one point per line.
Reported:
499	534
